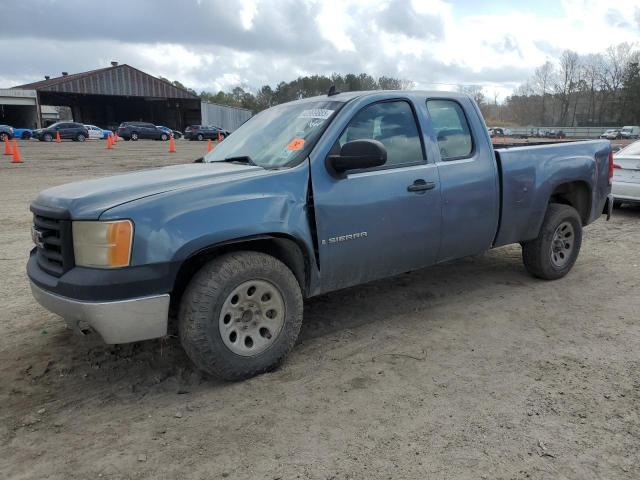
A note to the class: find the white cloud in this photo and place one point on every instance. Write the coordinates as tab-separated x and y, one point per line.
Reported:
248	10
334	22
207	46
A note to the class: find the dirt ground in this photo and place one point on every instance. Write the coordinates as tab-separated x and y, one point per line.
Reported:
471	369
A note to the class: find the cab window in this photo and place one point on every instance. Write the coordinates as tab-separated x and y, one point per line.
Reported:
451	128
394	125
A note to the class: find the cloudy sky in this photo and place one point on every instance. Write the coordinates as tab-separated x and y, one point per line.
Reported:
215	45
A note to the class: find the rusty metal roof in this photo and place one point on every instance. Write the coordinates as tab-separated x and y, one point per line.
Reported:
121	80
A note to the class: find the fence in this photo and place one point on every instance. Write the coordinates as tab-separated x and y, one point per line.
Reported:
570	132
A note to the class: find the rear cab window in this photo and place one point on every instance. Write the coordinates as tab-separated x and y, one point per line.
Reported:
451	127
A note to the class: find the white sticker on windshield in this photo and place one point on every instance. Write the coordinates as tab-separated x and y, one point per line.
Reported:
322	113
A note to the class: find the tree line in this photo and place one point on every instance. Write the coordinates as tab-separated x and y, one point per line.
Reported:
578	90
301	87
601	89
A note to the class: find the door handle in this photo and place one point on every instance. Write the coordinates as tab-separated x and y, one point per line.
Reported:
420	186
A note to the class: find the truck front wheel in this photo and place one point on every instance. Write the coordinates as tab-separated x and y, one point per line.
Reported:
240	315
553	253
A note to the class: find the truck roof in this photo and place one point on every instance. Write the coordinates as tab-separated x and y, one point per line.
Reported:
348	96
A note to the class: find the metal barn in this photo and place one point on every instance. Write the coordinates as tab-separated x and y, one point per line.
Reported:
119	93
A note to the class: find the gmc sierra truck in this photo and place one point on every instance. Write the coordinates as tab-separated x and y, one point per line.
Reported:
306	197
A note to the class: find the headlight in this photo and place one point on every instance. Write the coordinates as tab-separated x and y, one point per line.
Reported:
102	244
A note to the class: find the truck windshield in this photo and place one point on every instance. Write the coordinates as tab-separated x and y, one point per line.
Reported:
280	136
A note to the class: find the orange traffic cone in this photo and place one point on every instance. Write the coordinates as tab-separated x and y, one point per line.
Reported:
7	146
172	145
16	153
57	137
109	142
209	146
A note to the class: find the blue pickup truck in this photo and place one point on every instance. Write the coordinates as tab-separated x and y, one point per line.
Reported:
305	198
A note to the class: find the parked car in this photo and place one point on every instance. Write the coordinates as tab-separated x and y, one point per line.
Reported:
67	130
6	132
305	198
499	132
204	132
11	133
141	130
97	133
629	132
626	175
176	134
22	133
557	134
611	134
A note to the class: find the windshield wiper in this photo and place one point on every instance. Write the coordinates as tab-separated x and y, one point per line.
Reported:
246	159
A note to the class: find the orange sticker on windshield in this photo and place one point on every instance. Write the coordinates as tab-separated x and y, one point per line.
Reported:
295	144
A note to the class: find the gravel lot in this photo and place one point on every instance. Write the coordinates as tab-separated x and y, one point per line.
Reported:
467	370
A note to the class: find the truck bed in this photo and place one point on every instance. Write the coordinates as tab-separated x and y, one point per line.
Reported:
531	175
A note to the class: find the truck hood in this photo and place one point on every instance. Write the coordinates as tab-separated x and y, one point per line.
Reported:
87	200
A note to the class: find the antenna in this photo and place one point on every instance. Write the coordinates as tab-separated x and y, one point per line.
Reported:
332	91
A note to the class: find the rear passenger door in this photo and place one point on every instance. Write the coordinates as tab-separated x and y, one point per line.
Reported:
66	130
468	178
150	131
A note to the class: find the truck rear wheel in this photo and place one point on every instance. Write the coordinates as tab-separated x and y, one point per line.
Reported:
240	315
553	253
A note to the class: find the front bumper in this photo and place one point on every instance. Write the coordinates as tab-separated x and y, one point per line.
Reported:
118	321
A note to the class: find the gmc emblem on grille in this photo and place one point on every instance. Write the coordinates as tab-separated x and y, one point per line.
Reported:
37	237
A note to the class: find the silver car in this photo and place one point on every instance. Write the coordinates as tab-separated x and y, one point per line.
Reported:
626	175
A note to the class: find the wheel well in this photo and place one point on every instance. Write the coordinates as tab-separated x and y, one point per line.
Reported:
575	194
285	249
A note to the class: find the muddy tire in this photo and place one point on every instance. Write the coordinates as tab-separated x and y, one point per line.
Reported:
554	252
240	315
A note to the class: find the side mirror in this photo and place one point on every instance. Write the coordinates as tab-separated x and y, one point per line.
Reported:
358	154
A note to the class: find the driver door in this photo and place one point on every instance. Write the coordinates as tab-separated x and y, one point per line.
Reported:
382	221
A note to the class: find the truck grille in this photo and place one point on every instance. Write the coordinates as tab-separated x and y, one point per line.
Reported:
52	237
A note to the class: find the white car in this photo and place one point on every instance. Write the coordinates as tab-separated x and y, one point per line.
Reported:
626	175
95	133
611	135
